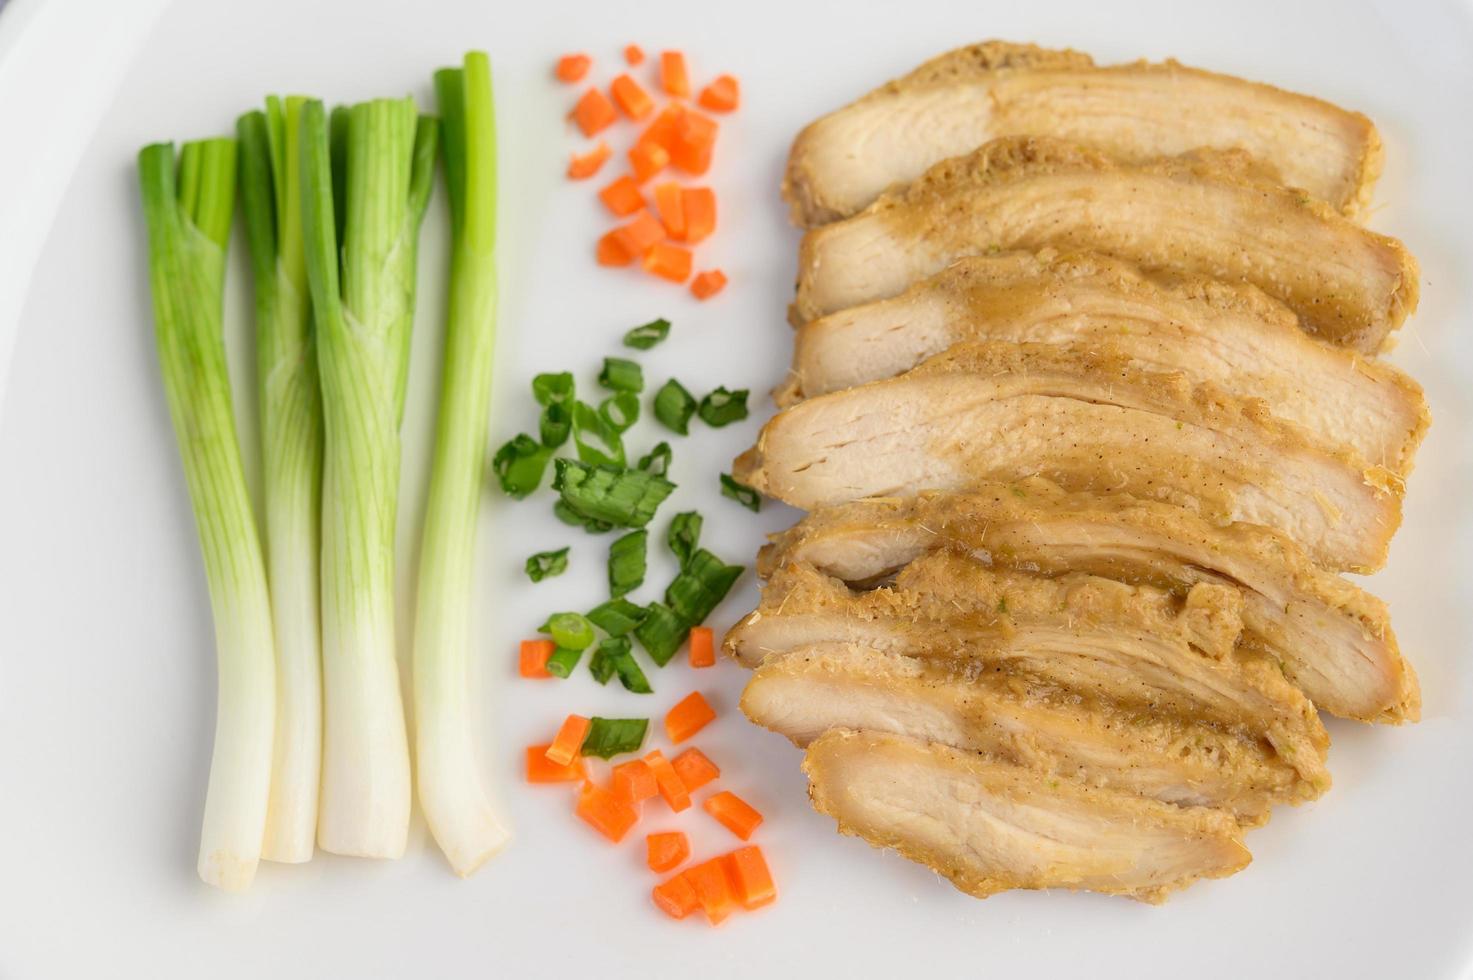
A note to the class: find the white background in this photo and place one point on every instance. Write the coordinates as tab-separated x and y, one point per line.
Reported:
106	674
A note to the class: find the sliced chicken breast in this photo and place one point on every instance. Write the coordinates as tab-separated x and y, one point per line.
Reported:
1332	639
1210	213
1137	646
1088	420
954	103
989	826
806	692
1231	334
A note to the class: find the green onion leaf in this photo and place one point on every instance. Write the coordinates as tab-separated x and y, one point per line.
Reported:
722	407
547	564
618	412
626	498
569	629
684	535
609	448
553	389
661	633
563	661
519	465
617	617
627	563
658	460
674	406
601	665
608	737
554	392
701	585
555	425
648	335
563	512
615	656
741	493
621	375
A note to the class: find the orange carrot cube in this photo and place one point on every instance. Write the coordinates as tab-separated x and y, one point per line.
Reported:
677	897
622	197
694	769
750	878
641	234
668	780
564	748
674	78
532	658
634	54
667	850
634	781
631	97
540	770
698	204
704	286
721	95
605	812
594	113
668	261
733	813
572	67
702	640
688	717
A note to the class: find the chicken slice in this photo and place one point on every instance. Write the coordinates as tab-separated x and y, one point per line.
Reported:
1210	213
1231	334
1332	639
804	693
956	102
1088	420
1137	646
989	826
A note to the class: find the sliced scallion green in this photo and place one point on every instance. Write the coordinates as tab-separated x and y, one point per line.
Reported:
701	585
647	335
601	665
555	425
661	633
684	535
658	460
569	629
553	389
674	406
608	737
618	412
620	374
519	465
617	617
627	563
563	661
626	498
547	564
565	513
598	444
741	493
555	393
722	407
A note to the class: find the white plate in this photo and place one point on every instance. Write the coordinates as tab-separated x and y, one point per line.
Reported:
106	683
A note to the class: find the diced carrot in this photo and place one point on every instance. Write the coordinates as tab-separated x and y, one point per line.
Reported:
662	131
641	234
733	813
594	112
668	262
674	79
647	159
694	769
541	770
622	197
668	780
532	658
564	748
695	137
677	897
634	781
713	889
688	717
665	851
605	812
611	252
631	97
698	204
750	879
667	205
722	95
704	286
572	67
702	640
634	54
583	166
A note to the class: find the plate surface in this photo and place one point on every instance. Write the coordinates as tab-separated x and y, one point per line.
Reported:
106	660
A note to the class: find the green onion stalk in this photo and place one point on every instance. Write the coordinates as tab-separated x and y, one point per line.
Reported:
188	221
382	156
457	808
291	452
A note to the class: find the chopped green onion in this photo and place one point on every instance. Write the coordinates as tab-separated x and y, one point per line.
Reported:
519	465
674	406
619	412
701	585
555	425
657	461
626	498
609	448
627	563
563	661
722	407
741	493
617	617
565	513
547	564
602	664
615	656
553	389
661	633
608	737
684	535
621	375
571	630
554	392
648	335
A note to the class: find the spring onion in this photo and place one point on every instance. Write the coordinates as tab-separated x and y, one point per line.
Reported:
362	291
661	633
608	737
631	675
570	630
701	585
722	407
625	498
674	406
602	664
547	564
620	374
188	229
597	442
619	412
452	790
627	563
549	389
617	617
647	335
519	465
564	661
290	404
684	535
741	493
657	461
563	512
555	393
